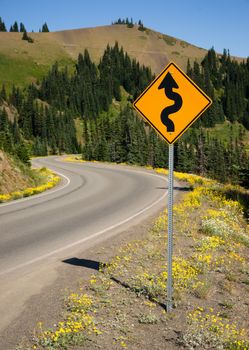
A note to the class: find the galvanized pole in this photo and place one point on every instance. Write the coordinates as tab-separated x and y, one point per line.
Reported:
170	227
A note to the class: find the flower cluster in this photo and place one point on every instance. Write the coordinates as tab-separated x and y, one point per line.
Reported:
226	223
73	159
78	323
46	175
210	330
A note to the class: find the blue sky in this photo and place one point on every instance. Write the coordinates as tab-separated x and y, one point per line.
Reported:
218	23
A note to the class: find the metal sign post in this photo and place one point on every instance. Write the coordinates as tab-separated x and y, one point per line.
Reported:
170	227
171	121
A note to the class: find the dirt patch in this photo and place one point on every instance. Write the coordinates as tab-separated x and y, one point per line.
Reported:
11	177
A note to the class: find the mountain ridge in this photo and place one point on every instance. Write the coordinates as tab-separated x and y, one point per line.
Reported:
33	60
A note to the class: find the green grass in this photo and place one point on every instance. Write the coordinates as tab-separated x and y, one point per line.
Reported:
21	72
226	130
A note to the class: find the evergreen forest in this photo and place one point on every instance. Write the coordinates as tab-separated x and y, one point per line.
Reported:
100	96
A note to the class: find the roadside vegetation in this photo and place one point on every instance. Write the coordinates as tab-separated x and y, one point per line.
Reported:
18	180
123	303
45	179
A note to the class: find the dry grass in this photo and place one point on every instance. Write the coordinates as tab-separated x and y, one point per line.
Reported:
150	48
11	177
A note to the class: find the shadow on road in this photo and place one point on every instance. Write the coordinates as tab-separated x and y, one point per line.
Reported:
90	264
183	189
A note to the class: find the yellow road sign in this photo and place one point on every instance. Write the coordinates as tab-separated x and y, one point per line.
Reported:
172	102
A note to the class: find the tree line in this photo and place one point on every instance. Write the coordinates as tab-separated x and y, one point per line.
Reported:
129	23
226	81
15	27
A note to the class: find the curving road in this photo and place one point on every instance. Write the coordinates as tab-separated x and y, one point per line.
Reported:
93	201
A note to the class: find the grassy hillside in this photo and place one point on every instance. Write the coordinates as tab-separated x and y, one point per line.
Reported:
22	62
225	131
19	71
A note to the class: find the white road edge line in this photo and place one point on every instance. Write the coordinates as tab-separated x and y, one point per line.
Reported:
94	235
45	193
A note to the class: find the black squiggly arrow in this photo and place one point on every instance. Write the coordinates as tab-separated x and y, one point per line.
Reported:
168	84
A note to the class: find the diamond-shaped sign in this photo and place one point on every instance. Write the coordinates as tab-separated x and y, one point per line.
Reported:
172	102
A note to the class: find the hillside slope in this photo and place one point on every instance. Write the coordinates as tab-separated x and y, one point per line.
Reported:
149	47
22	62
12	176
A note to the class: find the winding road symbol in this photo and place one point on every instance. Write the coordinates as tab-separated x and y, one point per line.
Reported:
172	103
168	84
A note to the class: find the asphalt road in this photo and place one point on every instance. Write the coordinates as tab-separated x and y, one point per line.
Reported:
93	201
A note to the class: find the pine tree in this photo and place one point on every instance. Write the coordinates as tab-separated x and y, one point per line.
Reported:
141	26
6	138
23	153
3	95
15	27
16	98
25	36
4	125
45	28
22	28
130	23
2	26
